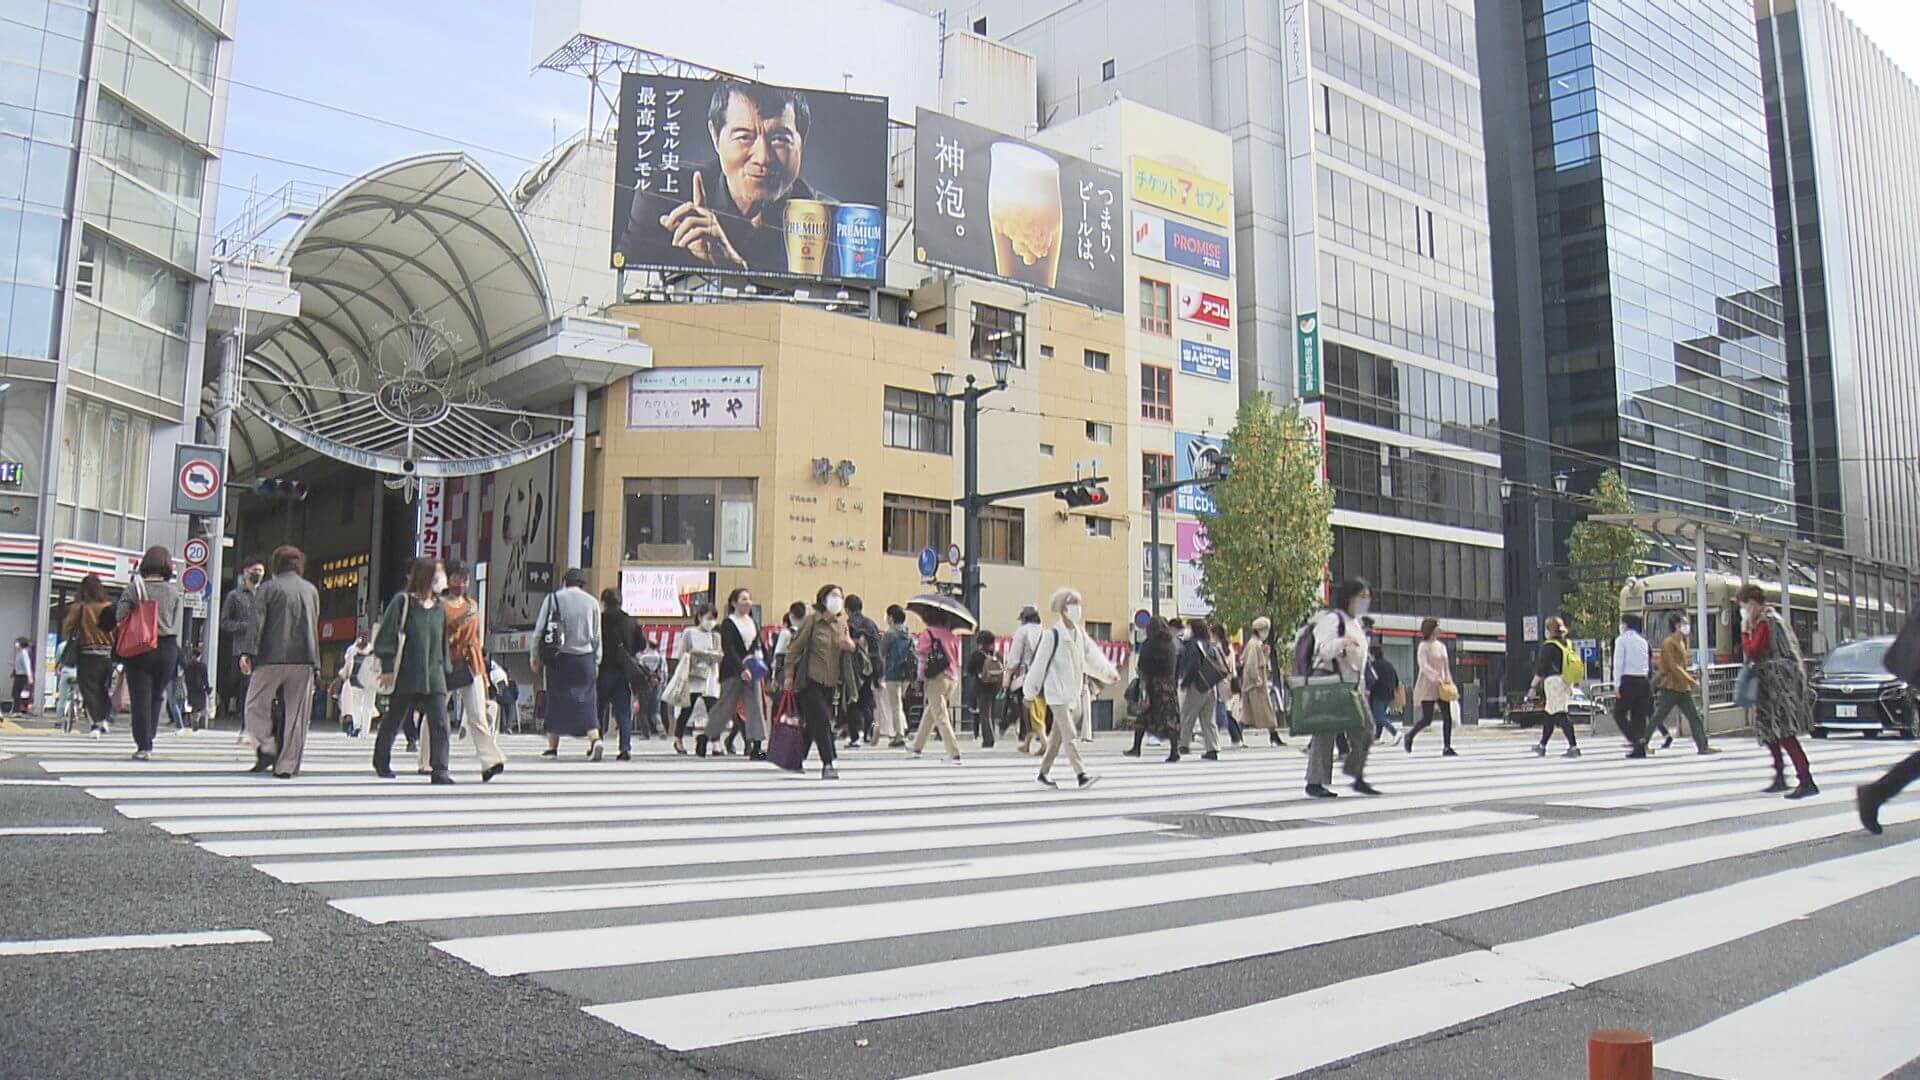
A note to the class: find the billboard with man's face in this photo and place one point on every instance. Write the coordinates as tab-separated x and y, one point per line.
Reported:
724	176
998	207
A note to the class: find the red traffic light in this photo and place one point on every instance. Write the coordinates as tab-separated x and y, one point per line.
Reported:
1097	496
1081	495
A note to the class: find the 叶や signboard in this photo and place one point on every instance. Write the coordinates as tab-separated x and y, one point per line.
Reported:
199	472
999	207
704	397
724	176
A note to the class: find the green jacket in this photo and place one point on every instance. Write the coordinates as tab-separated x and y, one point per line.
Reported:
423	670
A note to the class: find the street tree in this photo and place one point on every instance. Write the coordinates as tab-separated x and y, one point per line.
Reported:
1607	554
1271	534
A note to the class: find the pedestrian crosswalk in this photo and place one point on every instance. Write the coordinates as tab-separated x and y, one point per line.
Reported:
1168	922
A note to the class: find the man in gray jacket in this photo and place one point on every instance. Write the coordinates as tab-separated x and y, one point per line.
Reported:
286	653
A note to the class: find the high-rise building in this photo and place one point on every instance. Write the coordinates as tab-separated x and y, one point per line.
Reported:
110	113
1845	169
1363	245
1635	266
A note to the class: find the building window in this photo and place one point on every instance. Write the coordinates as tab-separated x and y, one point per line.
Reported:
1156	307
1156	469
1098	432
999	334
1046	449
1003	535
980	26
1166	571
912	420
1156	393
23	432
689	521
1046	352
1106	70
908	524
103	475
1095	360
1100	631
1100	527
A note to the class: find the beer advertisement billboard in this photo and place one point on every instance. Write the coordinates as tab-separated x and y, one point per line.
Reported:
998	207
721	176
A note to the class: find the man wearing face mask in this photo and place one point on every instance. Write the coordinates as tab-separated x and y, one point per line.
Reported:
1677	684
1065	660
239	637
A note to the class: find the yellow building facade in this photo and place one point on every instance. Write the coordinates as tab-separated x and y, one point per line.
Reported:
780	446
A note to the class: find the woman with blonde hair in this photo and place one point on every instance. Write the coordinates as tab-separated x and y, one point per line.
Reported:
1549	679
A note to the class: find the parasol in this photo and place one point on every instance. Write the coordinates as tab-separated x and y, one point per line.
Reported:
937	610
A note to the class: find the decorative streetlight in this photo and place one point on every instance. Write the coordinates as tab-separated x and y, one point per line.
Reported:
943	383
1002	368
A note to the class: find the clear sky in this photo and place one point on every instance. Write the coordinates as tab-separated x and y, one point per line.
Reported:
456	72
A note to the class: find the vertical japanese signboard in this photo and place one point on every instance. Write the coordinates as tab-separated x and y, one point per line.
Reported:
431	519
998	207
1307	380
724	176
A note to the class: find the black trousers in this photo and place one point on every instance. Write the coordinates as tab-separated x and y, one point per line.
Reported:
432	708
816	708
1898	777
147	678
686	714
1427	709
1558	720
95	676
1633	708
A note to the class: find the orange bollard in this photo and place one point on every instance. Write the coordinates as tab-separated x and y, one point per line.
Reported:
1614	1054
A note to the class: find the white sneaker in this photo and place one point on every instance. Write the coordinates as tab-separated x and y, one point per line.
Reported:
954	760
96	733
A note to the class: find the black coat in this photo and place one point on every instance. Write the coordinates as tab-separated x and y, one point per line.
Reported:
1157	658
618	640
734	650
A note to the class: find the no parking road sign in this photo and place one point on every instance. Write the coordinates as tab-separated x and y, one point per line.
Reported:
199	473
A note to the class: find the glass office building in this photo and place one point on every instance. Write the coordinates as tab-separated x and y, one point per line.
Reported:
1637	272
110	117
1846	172
1361	206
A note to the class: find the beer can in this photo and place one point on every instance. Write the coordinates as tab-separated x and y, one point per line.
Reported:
808	225
859	235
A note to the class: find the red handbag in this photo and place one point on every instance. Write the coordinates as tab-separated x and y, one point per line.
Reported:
787	743
139	632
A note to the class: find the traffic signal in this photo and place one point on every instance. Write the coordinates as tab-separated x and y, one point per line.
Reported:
292	490
1082	495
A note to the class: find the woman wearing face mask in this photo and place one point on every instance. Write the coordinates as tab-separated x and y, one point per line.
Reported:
1783	714
1340	647
1256	681
818	665
412	648
1435	673
698	673
743	664
1548	680
1158	657
1065	660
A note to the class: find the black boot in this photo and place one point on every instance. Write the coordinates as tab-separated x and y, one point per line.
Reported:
1139	740
700	746
1869	800
1779	784
1807	787
262	761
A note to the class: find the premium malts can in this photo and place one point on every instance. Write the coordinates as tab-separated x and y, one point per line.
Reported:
807	226
859	235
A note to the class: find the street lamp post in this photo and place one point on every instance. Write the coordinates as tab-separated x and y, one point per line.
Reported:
969	397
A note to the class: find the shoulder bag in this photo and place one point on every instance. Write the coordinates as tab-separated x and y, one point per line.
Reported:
390	679
459	671
553	635
139	633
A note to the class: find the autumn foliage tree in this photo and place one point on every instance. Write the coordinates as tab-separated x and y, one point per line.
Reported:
1271	534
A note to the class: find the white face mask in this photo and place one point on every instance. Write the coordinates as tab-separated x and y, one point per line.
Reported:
1686	628
835	603
1186	634
1073	614
707	623
1361	606
439	583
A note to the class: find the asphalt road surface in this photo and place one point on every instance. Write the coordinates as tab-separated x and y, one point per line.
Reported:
677	917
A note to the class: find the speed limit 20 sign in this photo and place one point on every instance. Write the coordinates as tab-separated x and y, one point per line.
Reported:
199	473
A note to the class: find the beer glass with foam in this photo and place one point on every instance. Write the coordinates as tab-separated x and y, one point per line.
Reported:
1023	210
